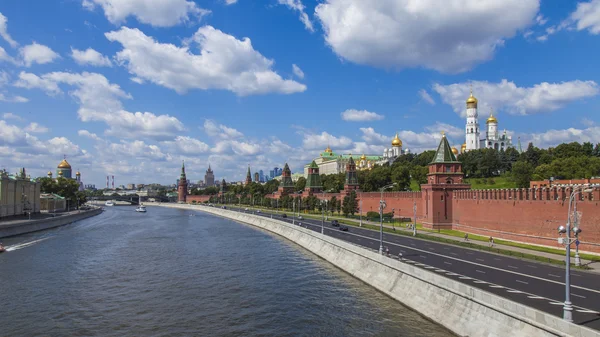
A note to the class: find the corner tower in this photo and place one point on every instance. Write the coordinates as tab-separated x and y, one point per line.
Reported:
351	183
287	184
182	186
248	177
313	181
445	176
472	139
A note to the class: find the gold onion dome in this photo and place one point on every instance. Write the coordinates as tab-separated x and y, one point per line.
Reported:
471	98
78	173
454	150
60	173
491	119
49	173
64	164
328	149
396	141
363	157
463	147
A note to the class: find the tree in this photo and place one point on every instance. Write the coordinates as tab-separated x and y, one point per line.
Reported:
66	188
419	174
522	172
350	205
300	184
332	203
401	176
532	155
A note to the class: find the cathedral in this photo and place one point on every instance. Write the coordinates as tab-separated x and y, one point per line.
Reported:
64	171
492	140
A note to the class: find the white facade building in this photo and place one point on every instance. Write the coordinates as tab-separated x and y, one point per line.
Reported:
492	140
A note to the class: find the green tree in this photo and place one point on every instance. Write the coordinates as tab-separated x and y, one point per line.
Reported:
350	205
300	184
401	176
419	174
522	173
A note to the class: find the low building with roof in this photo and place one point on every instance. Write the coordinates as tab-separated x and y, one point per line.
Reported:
50	202
19	194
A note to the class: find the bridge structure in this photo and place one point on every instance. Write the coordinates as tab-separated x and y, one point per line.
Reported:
132	200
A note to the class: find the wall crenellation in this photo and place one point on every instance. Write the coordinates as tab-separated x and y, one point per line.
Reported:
532	194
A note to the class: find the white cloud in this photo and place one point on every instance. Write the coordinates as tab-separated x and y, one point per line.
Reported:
136	149
187	145
230	2
587	16
4	31
448	36
158	13
426	97
555	137
29	147
312	141
505	95
137	80
220	131
37	53
5	57
13	99
87	134
224	63
90	57
370	136
588	122
297	71
100	100
540	20
450	130
10	115
34	127
353	115
297	6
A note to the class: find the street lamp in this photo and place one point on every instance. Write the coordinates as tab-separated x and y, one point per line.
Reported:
568	307
360	205
323	215
415	215
381	207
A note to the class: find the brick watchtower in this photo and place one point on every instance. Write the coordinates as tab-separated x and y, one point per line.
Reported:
351	177
313	181
445	176
182	187
248	177
287	185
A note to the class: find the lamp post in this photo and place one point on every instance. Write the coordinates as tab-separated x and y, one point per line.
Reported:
293	212
415	215
381	207
568	306
360	205
323	202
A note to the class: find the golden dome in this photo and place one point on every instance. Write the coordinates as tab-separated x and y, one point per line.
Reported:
463	147
363	157
328	149
491	119
64	164
454	150
60	173
77	174
471	98
49	173
396	141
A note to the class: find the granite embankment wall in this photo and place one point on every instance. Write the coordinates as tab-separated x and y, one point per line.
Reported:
466	310
43	224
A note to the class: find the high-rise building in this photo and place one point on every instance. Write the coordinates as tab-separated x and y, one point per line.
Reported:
209	177
256	177
261	176
272	174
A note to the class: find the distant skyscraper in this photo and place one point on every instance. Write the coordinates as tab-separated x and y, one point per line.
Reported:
256	177
261	176
277	171
209	177
272	174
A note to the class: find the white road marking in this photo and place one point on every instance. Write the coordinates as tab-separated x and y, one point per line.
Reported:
514	291
480	282
480	260
588	311
432	249
464	278
446	248
469	253
530	266
554	275
509	266
522	282
575	275
479	271
423	256
439	270
451	274
497	259
429	267
496	286
557	303
454	254
536	297
447	263
578	295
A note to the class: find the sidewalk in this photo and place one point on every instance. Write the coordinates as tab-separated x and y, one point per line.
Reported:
475	244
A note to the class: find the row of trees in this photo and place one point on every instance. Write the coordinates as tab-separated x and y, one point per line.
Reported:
67	188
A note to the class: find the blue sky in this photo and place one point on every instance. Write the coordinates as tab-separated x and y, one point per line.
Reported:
131	88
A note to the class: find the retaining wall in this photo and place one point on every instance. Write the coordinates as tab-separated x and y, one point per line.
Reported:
43	224
466	310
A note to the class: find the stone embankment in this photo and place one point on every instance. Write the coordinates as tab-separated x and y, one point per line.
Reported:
465	310
18	227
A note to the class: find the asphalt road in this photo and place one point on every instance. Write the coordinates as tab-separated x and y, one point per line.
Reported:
534	284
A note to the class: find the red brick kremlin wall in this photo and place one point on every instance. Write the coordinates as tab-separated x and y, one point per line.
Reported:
526	215
401	202
197	198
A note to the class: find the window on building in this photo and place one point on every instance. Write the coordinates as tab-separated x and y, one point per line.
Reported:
442	197
448	168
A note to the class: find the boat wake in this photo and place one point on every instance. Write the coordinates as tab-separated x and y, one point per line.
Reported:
23	245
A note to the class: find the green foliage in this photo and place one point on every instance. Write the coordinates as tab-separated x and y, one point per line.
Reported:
522	173
67	188
350	204
300	184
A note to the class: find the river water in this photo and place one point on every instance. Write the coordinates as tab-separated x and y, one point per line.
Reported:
173	272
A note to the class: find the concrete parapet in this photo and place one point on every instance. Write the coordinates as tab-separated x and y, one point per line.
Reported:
466	310
43	224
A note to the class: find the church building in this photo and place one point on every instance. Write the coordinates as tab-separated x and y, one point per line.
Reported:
492	140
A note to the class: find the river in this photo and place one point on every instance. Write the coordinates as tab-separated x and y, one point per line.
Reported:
173	272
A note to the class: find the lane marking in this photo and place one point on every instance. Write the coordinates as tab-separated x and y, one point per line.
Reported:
530	266
556	303
588	312
447	263
469	253
482	260
554	275
439	270
423	256
465	278
509	266
515	291
429	267
575	275
451	274
446	248
496	286
497	259
522	282
536	297
479	271
432	249
454	254
578	295
480	282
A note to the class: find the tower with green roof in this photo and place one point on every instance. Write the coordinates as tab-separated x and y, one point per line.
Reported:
351	183
287	184
313	181
182	185
445	176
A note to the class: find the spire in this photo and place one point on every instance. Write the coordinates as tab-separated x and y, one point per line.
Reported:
519	148
182	176
444	152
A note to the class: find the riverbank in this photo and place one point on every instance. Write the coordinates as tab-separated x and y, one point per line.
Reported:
465	310
24	226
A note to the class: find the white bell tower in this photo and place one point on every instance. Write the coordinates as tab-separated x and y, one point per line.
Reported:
472	140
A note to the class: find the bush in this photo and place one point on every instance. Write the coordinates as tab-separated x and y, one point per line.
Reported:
193	201
484	181
478	181
492	182
372	214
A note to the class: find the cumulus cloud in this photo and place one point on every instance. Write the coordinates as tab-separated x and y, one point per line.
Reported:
87	134
297	6
313	141
4	31
370	136
5	57
587	16
10	115
158	13
187	145
13	99
426	97
37	53
555	137
422	33
297	71
505	95
100	100
230	2
90	57
353	115
34	127
220	131
224	63
137	149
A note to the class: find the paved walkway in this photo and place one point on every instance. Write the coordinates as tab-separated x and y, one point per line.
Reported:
20	219
594	266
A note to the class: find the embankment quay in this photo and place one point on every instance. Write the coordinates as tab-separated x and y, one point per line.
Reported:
23	225
470	292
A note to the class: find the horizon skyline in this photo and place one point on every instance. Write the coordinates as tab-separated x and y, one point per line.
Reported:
130	90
